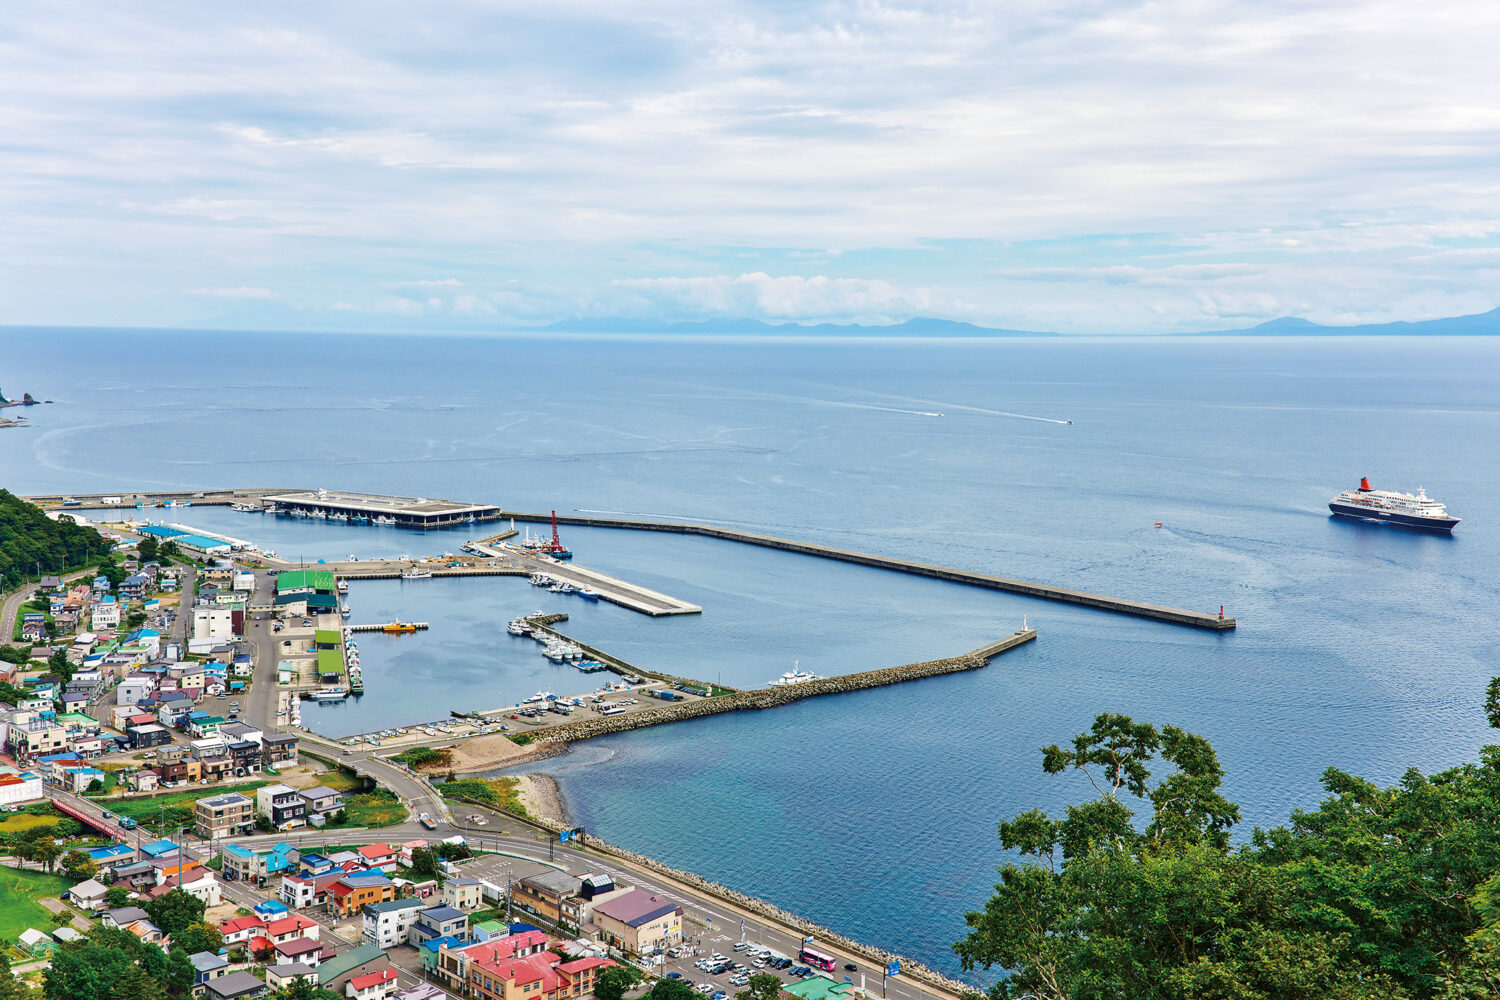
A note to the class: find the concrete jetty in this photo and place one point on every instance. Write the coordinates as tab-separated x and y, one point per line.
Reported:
1140	609
382	626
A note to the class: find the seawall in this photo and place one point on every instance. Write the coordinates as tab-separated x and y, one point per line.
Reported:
762	698
1103	602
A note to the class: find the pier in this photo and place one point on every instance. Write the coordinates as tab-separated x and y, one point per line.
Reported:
403	626
1103	602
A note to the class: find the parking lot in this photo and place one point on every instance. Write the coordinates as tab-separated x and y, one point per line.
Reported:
718	965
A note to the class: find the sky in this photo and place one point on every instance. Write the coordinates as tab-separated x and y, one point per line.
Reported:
1061	165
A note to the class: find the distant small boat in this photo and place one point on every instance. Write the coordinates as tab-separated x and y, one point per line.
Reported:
417	574
344	610
794	676
1158	524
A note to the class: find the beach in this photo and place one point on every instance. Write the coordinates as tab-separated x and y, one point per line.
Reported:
486	753
541	797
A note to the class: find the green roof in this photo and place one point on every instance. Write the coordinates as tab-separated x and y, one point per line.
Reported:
328	637
330	661
341	965
818	988
321	600
305	579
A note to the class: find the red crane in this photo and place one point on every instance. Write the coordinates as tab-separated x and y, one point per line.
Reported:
557	551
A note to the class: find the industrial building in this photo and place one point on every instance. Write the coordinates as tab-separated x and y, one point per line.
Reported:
369	508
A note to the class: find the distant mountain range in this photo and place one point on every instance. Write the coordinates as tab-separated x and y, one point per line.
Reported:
1482	324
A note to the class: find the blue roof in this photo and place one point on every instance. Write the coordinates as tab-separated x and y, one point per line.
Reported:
238	851
446	939
271	906
159	848
202	541
366	878
162	532
108	853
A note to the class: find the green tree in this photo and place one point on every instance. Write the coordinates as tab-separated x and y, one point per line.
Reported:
197	937
673	989
135	619
79	866
146	548
46	852
424	863
762	986
175	911
133	983
95	786
12	988
117	896
613	982
302	988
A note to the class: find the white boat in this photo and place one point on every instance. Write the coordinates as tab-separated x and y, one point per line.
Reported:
796	675
344	610
417	574
383	519
328	694
344	584
514	628
587	594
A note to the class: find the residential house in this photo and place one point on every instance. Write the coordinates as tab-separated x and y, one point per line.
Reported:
105	616
239	985
371	985
115	854
281	805
135	586
216	766
88	895
300	951
34	736
463	894
381	856
207	966
278	749
236	732
639	922
237	930
244	757
137	875
227	815
354	891
389	923
321	800
279	977
335	973
196	880
439	921
123	916
291	928
148	736
298	891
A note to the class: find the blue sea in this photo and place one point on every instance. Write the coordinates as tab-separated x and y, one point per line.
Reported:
875	813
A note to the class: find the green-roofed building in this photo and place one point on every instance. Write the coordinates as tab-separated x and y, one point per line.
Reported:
819	988
318	581
336	971
330	661
328	638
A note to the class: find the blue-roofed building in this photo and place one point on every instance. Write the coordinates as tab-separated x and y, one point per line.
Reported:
135	586
440	921
162	531
159	848
272	908
101	585
115	854
428	950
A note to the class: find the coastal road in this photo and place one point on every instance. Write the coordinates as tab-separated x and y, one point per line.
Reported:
11	607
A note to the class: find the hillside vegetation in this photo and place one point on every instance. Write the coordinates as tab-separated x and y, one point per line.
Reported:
30	542
1379	893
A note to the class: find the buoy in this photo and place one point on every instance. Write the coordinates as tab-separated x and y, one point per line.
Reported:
1158	524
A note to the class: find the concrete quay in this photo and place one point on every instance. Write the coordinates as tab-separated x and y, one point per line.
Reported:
1103	602
381	627
626	595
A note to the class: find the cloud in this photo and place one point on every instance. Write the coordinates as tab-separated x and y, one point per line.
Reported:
440	283
759	295
1132	274
242	292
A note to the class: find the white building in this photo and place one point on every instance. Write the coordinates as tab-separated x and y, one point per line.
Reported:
213	622
244	582
387	923
105	615
19	786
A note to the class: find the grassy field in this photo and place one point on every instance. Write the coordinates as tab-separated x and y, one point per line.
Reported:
179	806
21	822
497	793
379	808
19	909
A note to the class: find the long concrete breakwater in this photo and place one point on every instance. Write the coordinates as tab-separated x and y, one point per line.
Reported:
761	698
1140	609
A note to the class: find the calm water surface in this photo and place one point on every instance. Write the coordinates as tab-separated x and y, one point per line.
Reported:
874	812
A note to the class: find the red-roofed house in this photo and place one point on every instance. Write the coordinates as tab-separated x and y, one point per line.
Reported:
408	847
382	856
240	929
452	964
534	977
292	927
374	986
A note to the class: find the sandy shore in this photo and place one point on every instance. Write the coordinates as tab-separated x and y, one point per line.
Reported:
488	753
541	797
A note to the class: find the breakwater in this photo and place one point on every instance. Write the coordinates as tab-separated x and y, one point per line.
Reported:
1140	609
762	698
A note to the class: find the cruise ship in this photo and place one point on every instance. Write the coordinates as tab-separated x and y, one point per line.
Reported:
1419	511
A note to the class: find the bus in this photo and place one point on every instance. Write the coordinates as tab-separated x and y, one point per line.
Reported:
817	959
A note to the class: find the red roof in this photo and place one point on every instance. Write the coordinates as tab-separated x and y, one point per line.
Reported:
528	969
373	979
376	850
237	924
506	947
578	965
286	925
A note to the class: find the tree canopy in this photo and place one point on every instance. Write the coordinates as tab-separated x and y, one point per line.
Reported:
30	542
1386	893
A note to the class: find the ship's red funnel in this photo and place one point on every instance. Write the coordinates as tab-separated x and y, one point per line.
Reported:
1364	482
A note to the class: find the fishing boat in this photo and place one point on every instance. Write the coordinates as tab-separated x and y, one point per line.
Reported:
587	594
344	610
384	519
398	628
343	586
417	574
326	694
796	675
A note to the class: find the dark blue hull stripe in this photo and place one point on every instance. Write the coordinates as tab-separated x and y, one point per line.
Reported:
1390	517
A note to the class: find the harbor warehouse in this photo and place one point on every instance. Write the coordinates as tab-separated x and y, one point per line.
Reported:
638	922
402	512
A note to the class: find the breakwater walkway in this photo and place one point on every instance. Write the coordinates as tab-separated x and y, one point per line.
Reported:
773	697
1140	609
